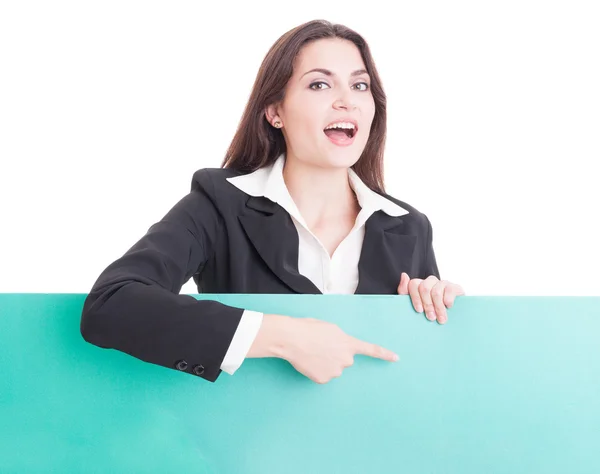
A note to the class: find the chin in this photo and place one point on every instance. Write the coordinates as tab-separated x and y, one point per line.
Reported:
343	157
336	157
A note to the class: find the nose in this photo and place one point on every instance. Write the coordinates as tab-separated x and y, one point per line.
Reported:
344	102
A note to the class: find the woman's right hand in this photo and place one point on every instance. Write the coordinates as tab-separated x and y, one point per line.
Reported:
317	349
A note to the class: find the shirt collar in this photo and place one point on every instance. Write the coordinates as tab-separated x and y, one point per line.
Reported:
268	182
370	200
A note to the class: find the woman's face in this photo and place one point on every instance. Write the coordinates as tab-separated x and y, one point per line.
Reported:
339	92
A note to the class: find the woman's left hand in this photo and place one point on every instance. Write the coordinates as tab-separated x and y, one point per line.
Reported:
432	295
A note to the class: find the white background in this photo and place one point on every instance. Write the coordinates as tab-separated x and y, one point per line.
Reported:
107	108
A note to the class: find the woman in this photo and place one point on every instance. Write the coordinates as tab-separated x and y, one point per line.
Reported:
298	206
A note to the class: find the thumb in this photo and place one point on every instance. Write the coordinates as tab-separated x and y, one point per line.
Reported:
403	286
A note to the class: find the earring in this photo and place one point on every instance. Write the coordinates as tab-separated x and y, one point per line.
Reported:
277	124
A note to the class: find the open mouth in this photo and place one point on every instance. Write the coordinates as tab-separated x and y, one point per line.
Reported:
340	133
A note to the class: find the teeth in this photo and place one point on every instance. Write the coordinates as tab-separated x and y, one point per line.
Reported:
340	125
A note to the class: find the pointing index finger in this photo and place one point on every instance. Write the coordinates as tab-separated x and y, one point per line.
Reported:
373	350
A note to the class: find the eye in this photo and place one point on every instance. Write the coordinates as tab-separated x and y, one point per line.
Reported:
315	83
365	84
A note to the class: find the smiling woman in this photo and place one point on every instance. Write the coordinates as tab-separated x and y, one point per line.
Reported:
315	75
298	206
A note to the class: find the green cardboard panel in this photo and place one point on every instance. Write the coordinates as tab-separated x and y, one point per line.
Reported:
509	384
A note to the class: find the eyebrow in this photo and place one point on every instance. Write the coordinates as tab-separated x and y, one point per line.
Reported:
327	72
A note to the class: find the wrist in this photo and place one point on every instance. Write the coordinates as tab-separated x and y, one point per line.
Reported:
273	337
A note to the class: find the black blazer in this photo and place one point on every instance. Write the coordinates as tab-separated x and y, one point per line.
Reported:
229	242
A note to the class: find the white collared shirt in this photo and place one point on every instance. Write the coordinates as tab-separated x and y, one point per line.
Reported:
336	274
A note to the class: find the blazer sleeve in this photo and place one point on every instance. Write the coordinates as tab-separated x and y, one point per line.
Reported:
429	266
135	305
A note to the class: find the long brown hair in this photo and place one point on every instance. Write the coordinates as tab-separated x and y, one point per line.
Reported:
257	144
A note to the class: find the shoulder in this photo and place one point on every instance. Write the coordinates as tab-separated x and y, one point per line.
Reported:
414	217
207	178
403	204
213	181
211	184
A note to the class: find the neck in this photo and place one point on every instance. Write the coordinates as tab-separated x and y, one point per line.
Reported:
321	194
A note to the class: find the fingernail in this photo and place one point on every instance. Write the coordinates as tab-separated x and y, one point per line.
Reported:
396	358
443	319
419	308
431	316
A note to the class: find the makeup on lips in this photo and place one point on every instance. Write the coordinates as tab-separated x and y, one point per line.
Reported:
341	133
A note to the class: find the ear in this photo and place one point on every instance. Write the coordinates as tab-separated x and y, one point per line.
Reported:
271	113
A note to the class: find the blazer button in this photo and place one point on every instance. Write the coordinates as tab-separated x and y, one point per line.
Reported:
198	369
181	365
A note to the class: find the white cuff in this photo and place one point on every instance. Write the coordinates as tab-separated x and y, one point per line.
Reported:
241	343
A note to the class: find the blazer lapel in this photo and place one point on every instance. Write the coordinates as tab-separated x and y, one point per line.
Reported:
387	252
274	236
